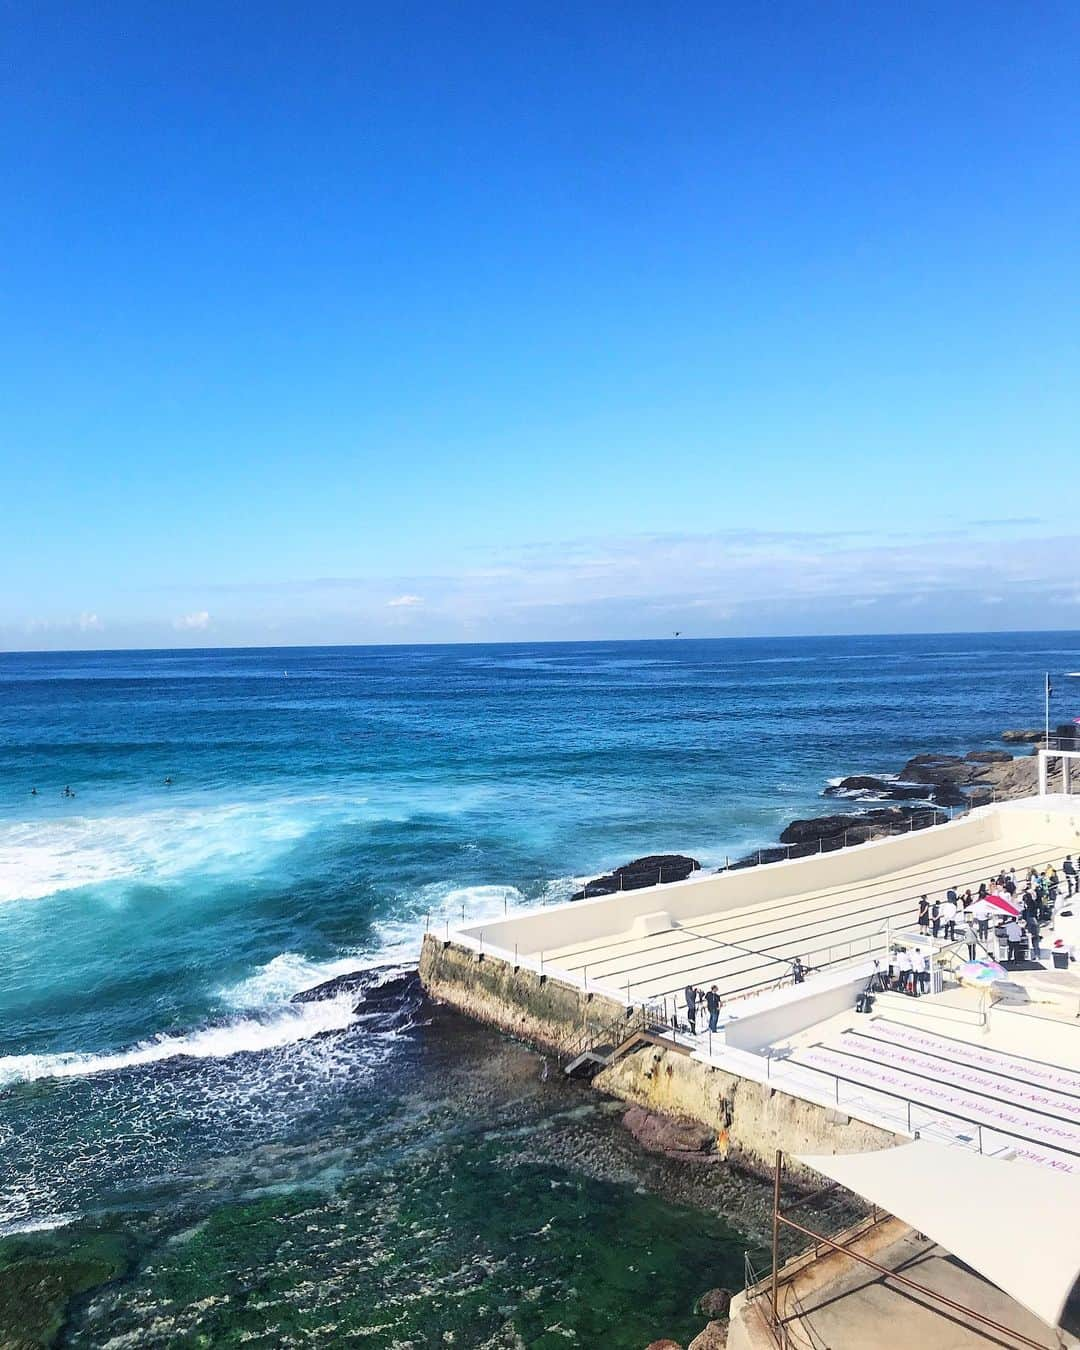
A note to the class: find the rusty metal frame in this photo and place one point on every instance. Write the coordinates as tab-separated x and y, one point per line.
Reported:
777	1324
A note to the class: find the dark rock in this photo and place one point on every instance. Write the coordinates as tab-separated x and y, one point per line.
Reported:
828	832
392	1003
688	1140
948	794
862	785
714	1336
1029	737
715	1303
989	756
633	876
938	769
353	983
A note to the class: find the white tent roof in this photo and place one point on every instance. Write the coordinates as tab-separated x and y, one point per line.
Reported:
1014	1223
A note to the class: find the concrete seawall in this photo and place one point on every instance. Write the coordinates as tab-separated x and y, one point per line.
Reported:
751	1120
527	1005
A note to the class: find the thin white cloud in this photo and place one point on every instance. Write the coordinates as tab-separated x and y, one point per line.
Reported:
187	623
405	601
90	623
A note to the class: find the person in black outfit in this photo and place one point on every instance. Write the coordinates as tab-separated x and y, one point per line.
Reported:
691	996
712	1002
924	915
1068	867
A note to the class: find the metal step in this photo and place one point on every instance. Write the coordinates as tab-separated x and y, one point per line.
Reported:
591	1061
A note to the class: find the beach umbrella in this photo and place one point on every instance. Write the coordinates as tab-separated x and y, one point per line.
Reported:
1003	903
981	972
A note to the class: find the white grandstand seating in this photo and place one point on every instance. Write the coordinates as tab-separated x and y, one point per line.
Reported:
968	1094
745	949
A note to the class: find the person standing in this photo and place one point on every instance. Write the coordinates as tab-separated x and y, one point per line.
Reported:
1068	868
1031	923
971	936
713	1003
691	996
1015	936
903	972
924	916
981	911
948	921
935	918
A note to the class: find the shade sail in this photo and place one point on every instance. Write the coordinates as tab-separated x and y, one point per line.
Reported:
1014	1223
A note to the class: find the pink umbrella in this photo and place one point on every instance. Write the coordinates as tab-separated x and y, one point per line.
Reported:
1004	904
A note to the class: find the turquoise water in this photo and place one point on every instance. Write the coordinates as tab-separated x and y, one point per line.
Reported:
324	803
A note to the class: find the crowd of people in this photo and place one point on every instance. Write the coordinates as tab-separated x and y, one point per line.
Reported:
968	917
960	917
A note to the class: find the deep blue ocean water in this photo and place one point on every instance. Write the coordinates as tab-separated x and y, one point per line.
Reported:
323	803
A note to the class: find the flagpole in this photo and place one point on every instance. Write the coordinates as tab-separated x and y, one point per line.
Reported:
1046	742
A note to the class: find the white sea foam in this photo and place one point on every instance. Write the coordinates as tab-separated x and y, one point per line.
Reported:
290	973
40	858
41	1224
288	1024
205	835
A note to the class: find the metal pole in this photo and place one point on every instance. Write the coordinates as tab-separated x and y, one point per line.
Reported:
1047	740
910	1284
776	1237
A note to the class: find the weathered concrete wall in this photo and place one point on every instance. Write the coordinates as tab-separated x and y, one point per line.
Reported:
751	1119
544	1012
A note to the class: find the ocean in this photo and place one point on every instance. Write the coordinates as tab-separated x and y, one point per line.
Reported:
205	1162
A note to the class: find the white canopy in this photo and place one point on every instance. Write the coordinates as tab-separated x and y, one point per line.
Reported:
1014	1223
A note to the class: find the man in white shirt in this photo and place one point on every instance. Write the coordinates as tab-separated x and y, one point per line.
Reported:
981	913
903	969
948	920
1015	935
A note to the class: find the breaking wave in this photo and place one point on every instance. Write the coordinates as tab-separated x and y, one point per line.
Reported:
289	1024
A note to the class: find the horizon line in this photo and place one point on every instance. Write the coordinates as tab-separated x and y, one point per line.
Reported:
539	642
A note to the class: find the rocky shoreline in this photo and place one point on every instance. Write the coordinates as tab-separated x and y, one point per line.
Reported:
924	791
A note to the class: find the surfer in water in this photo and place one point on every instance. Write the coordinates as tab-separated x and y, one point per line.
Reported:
168	781
33	792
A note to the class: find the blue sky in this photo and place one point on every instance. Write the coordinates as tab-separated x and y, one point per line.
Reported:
331	323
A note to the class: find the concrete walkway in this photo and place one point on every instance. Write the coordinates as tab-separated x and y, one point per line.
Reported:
837	1304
